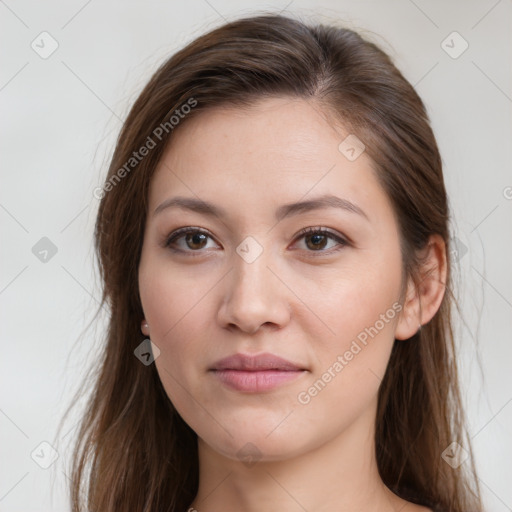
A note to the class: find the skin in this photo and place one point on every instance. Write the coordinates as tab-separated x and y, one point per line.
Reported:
300	302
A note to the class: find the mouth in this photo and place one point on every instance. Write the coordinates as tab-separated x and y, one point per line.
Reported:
255	374
261	362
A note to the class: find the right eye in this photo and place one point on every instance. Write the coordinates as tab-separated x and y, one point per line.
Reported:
194	240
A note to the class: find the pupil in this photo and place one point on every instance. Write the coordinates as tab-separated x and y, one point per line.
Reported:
317	240
195	239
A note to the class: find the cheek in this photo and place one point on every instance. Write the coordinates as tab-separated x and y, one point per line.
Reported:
353	302
352	362
359	311
350	367
171	297
174	305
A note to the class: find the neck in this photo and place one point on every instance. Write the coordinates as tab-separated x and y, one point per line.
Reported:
341	474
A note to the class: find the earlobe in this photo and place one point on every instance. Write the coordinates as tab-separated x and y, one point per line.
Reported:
144	327
424	298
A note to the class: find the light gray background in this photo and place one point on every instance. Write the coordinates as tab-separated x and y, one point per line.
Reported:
60	117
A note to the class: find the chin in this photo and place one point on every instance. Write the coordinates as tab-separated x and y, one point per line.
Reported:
251	445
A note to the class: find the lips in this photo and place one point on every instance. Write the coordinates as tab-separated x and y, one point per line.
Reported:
256	374
256	363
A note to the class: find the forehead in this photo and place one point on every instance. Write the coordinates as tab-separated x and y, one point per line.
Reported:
278	150
292	131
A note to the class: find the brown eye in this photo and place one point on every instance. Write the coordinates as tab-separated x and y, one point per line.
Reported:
195	240
317	239
188	240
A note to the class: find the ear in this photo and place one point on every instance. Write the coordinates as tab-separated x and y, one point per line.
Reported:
423	301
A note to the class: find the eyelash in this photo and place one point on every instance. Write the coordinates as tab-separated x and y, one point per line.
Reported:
304	232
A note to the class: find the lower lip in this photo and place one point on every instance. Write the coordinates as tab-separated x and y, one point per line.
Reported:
256	381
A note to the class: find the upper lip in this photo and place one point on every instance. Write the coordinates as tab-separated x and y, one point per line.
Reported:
255	363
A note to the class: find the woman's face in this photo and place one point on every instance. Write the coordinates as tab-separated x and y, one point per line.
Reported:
248	282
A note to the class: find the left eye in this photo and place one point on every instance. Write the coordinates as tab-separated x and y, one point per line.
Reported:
318	238
195	239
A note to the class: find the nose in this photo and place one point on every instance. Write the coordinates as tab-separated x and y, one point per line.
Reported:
253	296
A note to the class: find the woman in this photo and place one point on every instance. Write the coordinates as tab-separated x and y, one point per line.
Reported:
273	242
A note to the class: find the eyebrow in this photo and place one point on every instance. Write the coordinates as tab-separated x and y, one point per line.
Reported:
286	210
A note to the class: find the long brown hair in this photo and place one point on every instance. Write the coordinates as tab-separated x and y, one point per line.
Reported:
133	451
